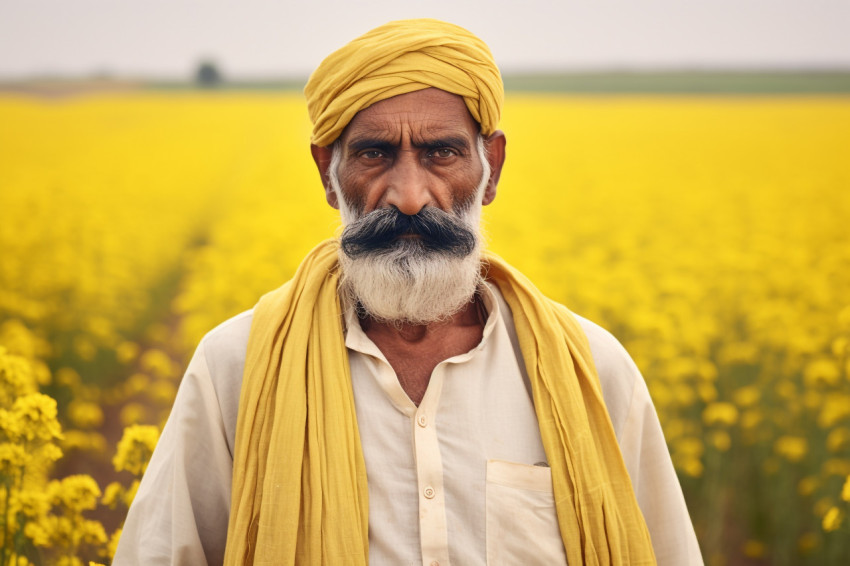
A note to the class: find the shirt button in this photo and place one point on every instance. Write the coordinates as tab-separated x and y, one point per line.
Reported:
422	421
429	492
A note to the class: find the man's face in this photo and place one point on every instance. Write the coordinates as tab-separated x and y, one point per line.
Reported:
410	176
409	152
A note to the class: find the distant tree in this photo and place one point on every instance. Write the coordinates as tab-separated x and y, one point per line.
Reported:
103	75
208	75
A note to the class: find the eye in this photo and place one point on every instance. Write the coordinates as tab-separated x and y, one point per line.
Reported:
372	154
443	153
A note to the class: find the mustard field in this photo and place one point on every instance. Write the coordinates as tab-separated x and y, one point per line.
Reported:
711	235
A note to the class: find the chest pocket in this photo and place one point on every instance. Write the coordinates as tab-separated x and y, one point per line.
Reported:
522	526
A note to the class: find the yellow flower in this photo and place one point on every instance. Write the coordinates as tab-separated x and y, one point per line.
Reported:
112	494
685	396
821	371
751	419
162	391
836	407
68	377
845	491
839	346
10	425
135	448
85	414
32	503
16	377
13	458
113	543
692	467
720	440
85	348
844	318
36	414
19	340
689	446
838	439
50	452
136	383
37	533
792	448
91	532
707	391
130	494
126	352
707	370
133	413
832	520
747	396
77	493
721	413
84	440
157	363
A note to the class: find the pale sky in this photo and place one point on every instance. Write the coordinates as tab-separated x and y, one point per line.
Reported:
257	38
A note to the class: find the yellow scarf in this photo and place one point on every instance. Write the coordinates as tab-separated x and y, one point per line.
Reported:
299	479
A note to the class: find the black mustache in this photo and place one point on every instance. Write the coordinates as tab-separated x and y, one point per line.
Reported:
380	230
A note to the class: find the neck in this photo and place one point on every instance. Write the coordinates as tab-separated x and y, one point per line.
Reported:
414	350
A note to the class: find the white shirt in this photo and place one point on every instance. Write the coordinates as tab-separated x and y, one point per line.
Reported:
461	479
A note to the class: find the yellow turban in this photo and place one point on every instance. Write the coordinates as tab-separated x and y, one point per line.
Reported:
397	58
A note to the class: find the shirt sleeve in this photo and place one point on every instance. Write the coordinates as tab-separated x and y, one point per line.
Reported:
180	513
655	483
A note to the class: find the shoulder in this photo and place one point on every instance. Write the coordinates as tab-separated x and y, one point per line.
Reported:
227	343
618	374
224	349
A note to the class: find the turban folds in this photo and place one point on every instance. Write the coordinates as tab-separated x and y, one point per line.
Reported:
401	57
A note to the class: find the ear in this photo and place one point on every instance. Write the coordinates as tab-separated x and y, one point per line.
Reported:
495	151
322	157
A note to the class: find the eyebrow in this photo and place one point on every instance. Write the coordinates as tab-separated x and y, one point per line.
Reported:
361	144
447	141
357	145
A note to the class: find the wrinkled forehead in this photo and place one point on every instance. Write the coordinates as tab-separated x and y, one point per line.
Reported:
418	117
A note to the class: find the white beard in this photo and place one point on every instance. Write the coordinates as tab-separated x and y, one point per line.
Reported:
403	286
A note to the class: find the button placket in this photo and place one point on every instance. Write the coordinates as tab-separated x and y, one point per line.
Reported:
429	470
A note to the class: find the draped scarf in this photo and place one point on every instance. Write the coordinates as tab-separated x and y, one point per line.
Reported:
299	479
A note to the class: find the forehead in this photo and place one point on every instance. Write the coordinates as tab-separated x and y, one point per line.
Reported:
420	116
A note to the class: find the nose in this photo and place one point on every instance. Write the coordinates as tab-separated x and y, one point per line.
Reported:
408	188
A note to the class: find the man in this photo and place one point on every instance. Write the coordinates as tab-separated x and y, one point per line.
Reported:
407	398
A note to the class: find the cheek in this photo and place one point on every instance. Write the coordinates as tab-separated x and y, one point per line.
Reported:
465	190
462	199
354	192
